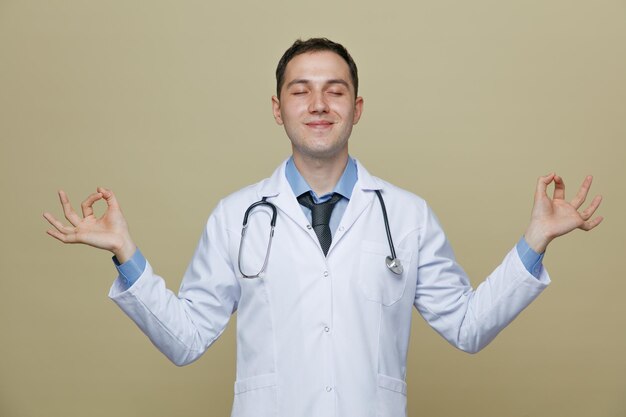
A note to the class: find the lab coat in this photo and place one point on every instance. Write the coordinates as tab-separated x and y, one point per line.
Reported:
324	336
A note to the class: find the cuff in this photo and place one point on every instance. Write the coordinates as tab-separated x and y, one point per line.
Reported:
131	270
532	260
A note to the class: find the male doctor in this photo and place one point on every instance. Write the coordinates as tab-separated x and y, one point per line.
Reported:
323	323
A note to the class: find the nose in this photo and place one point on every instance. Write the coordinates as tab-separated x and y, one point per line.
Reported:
318	103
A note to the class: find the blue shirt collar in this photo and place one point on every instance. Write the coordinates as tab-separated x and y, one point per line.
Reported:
344	186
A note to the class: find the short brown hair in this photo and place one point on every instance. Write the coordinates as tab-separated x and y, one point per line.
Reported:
314	45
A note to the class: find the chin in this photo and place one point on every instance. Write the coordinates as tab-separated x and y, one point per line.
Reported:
324	152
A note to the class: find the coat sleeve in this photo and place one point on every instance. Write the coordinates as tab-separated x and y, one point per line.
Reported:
469	319
184	326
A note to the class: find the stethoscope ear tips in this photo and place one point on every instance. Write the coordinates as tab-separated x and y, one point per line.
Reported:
394	265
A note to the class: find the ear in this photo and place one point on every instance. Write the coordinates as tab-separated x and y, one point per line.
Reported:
358	110
276	110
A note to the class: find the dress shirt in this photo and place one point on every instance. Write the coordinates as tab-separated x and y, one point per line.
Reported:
344	188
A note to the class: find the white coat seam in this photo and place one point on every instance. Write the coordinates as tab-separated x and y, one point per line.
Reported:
378	343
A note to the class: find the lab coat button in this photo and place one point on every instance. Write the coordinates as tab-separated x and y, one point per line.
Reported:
325	273
327	329
308	226
329	389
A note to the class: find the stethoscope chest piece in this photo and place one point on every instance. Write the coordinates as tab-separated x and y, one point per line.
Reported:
394	265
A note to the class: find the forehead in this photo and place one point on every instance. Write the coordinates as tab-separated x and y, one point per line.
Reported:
318	66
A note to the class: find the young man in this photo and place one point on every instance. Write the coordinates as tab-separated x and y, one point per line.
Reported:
323	312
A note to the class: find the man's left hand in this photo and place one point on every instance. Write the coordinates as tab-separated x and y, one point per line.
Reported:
555	217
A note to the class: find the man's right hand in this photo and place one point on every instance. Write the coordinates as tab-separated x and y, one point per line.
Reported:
108	232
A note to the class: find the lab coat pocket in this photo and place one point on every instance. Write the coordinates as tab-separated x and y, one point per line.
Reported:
390	397
256	396
378	282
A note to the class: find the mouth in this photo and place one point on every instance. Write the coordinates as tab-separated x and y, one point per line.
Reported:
319	124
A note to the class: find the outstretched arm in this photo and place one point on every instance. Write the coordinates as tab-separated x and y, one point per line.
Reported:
470	319
109	232
181	327
555	217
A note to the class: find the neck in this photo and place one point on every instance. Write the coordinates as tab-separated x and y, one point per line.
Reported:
321	174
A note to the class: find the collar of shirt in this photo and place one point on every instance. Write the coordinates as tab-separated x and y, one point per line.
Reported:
344	186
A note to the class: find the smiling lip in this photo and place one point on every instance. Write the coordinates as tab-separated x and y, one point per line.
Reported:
319	123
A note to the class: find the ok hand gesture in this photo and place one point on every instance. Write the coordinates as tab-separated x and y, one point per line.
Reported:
108	232
554	217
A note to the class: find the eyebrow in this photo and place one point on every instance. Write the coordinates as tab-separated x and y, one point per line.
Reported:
332	81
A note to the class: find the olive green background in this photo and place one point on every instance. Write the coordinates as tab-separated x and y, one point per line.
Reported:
168	103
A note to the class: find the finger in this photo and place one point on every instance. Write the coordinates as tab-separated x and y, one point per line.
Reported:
542	185
87	205
69	212
581	196
63	233
109	197
588	212
588	225
62	236
57	224
559	188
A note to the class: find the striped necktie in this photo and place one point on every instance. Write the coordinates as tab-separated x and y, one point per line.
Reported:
320	217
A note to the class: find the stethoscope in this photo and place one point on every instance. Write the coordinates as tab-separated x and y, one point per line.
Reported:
392	262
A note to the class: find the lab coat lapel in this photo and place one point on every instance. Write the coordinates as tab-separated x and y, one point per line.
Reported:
362	197
279	192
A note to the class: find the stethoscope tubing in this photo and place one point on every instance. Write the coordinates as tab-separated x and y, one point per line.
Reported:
262	202
386	219
392	262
